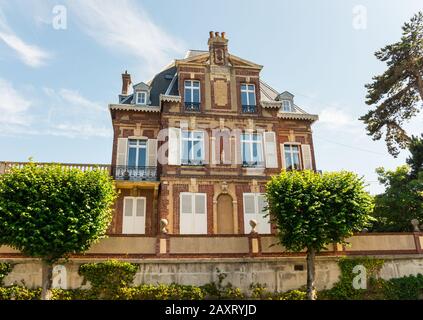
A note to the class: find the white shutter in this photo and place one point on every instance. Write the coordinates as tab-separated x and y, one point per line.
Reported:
249	211
282	146
128	211
200	214
186	222
270	149
174	153
264	224
122	149
139	217
134	215
307	162
152	152
214	158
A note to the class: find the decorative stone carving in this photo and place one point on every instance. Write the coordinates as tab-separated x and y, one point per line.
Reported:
415	224
224	187
163	225
253	224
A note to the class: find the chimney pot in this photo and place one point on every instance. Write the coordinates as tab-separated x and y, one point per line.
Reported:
211	34
216	34
223	35
126	82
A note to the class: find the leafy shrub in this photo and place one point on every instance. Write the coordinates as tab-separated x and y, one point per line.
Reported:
107	278
216	289
161	292
5	269
19	293
405	288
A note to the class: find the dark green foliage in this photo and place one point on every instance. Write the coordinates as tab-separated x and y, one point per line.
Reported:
216	289
401	202
344	290
19	293
50	212
398	92
312	210
107	278
415	161
405	288
5	269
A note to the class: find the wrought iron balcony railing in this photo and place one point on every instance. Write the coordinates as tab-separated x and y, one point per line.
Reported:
135	173
249	109
192	106
191	162
253	164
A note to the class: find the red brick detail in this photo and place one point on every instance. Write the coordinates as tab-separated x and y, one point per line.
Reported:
177	189
228	88
209	190
239	191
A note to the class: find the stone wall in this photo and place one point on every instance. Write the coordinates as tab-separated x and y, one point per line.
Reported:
278	273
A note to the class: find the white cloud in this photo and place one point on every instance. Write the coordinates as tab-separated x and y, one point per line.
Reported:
75	98
124	26
31	55
335	117
13	107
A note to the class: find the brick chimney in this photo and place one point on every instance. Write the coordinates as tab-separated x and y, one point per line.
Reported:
218	48
126	82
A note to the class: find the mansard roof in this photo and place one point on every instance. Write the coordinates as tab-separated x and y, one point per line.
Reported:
164	87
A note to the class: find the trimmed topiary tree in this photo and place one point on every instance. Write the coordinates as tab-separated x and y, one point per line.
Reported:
50	212
313	210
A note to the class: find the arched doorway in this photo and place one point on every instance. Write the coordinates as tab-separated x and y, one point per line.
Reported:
225	212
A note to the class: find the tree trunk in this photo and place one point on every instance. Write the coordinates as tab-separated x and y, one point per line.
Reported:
47	275
311	273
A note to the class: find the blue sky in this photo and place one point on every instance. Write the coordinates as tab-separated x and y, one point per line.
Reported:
55	84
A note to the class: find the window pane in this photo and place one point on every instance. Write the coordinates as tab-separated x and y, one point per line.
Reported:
198	135
296	163
133	142
198	153
246	152
249	205
288	161
187	96
128	207
140	207
250	87
251	99
142	157
187	83
196	84
243	87
185	134
132	157
186	202
244	101
196	95
200	204
185	150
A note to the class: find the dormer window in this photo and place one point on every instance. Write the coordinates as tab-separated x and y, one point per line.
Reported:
141	98
287	106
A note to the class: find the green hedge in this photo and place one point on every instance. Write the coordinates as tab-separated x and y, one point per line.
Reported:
5	269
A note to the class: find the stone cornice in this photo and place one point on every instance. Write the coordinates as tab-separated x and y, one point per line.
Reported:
298	116
169	98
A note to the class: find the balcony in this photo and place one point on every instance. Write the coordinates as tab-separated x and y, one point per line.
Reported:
249	109
253	164
191	162
136	173
192	106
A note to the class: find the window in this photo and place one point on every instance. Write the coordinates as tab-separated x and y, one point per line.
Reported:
286	106
193	213
141	97
248	98
292	156
192	94
192	147
254	205
252	149
137	153
134	215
